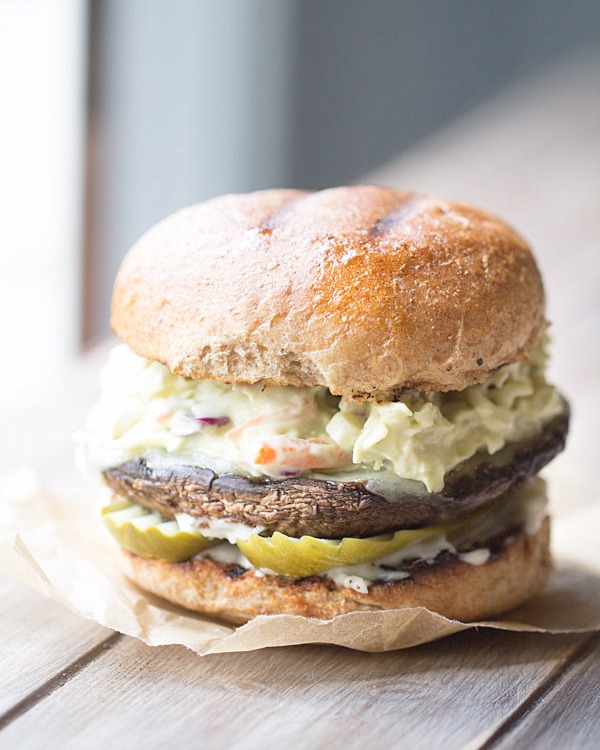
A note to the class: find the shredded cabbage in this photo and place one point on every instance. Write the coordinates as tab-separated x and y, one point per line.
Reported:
424	435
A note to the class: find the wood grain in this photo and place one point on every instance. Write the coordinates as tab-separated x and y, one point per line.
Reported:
567	715
439	695
38	639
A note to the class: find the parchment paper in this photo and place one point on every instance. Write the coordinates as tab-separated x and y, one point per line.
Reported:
57	546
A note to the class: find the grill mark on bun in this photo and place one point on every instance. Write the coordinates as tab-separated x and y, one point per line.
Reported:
277	218
405	208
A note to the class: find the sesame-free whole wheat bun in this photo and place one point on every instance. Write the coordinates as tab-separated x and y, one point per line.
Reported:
329	401
365	290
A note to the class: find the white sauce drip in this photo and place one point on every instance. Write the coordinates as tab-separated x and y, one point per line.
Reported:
217	528
228	554
476	556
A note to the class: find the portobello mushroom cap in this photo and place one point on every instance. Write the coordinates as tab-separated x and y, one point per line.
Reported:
335	509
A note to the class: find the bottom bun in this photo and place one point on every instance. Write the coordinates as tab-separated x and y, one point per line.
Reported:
516	569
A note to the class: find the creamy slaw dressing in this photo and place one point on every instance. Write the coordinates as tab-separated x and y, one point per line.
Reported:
278	432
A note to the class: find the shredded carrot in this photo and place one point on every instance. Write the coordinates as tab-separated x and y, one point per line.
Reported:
266	455
236	432
295	453
288	413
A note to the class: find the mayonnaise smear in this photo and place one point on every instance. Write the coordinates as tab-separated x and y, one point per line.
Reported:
146	411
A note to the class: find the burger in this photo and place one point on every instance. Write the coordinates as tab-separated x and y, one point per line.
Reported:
326	402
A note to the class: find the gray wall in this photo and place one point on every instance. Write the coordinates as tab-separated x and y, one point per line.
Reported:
371	78
192	98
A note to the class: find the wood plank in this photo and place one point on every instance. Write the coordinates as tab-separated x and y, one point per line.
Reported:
566	715
38	639
443	694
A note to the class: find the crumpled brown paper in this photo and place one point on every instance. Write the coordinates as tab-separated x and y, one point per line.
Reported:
57	546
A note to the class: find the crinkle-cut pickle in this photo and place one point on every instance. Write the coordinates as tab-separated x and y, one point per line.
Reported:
309	556
145	533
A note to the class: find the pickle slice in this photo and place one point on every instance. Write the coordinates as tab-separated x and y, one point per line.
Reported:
146	534
308	555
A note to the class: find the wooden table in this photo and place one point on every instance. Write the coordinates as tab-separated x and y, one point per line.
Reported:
533	157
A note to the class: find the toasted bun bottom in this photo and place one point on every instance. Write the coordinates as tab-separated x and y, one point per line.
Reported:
455	589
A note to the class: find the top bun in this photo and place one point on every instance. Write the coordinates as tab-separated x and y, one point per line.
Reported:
366	290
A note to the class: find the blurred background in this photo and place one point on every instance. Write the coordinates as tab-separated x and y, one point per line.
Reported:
114	113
